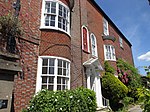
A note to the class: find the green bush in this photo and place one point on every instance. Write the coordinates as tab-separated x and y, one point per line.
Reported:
108	68
144	96
78	100
127	100
134	78
113	88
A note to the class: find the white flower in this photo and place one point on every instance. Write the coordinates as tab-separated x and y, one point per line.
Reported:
60	108
71	96
56	100
78	100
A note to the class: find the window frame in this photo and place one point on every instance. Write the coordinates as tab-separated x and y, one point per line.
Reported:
111	53
94	37
105	27
87	38
55	75
56	27
121	42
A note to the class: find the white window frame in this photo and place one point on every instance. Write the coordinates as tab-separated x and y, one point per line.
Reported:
44	14
121	42
93	50
87	38
39	72
110	52
105	27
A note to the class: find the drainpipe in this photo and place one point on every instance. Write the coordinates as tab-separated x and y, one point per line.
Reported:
82	69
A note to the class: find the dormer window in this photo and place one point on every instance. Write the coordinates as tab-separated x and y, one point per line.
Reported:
105	27
55	15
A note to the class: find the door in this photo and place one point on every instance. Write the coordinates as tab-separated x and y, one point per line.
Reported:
6	90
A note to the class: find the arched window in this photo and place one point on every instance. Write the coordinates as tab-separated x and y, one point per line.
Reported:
93	45
85	39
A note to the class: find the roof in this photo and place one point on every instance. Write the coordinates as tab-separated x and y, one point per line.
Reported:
109	20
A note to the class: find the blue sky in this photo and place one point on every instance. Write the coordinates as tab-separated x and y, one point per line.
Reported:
132	17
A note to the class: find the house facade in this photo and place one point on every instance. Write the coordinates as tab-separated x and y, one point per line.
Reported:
63	46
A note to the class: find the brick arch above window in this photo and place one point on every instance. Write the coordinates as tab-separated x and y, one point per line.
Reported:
85	39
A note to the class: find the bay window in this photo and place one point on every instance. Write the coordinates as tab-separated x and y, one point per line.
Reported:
53	73
55	15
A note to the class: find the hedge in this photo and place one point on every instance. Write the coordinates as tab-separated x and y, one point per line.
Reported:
113	88
78	100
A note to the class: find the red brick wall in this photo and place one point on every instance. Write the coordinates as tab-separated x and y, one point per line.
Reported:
27	46
55	43
95	25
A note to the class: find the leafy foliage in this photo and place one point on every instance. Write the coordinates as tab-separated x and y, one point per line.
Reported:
144	96
130	73
108	68
9	26
127	100
78	100
113	88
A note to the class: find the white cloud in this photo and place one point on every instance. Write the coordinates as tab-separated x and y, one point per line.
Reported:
145	56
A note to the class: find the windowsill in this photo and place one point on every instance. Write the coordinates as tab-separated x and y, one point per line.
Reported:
54	28
110	59
88	52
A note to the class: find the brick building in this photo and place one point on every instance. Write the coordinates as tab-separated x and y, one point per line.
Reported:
63	45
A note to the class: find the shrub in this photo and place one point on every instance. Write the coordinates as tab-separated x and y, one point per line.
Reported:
108	68
127	100
78	100
144	96
113	88
129	72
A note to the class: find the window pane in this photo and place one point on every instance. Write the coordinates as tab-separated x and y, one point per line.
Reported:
58	87
54	4
44	79
60	63
44	70
50	87
51	62
59	71
59	25
64	72
44	86
64	64
58	80
63	87
64	81
51	80
45	62
51	70
60	10
53	18
47	21
47	7
53	10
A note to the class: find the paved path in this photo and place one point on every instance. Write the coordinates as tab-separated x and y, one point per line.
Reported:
135	108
